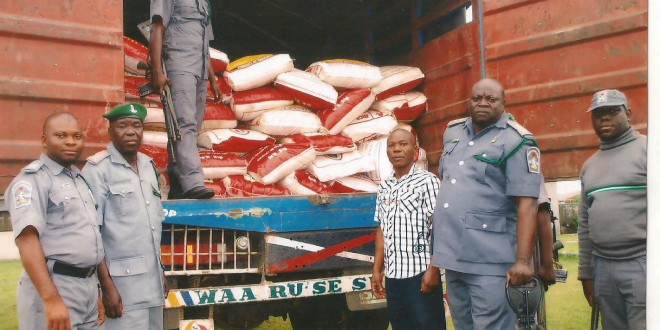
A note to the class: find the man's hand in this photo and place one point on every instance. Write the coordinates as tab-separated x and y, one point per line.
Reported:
377	285
112	302
101	317
213	82
57	316
520	273
547	275
158	81
588	290
430	280
166	287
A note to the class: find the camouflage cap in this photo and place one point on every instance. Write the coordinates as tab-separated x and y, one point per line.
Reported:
136	110
608	98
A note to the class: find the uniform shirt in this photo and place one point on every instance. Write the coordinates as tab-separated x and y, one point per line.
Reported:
187	34
403	209
612	213
475	221
59	204
130	213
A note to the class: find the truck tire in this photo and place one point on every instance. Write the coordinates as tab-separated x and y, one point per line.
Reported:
331	312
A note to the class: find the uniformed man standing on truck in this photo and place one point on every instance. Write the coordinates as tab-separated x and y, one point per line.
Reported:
180	36
484	224
612	216
57	234
125	185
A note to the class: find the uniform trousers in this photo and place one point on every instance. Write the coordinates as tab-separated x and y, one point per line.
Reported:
144	318
409	308
478	301
189	99
620	292
80	295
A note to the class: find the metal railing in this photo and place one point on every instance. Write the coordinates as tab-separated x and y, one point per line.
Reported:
188	250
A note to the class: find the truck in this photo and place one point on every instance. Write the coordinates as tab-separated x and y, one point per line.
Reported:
239	260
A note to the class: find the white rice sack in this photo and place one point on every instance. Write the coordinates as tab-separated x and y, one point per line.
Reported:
330	167
355	183
255	71
156	139
219	60
155	120
405	106
350	105
218	116
397	79
370	125
271	164
249	104
217	165
307	89
303	183
283	121
346	74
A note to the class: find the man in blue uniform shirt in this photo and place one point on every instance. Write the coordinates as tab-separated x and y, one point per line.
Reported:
125	185
484	224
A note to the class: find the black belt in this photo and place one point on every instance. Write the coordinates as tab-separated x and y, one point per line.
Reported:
68	270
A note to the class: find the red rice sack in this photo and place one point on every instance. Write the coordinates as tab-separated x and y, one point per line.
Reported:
155	120
225	89
218	187
350	105
217	116
219	60
246	186
217	165
159	155
397	79
307	89
234	140
134	66
354	184
255	71
323	143
156	139
134	52
370	125
303	183
283	121
330	167
405	106
271	164
131	84
346	74
249	104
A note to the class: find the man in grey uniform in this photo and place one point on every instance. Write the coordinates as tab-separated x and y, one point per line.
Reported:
180	36
57	234
612	216
484	224
125	185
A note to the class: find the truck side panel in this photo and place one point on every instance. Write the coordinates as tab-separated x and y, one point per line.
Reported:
56	56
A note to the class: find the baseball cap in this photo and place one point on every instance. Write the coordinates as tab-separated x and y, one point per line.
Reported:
606	98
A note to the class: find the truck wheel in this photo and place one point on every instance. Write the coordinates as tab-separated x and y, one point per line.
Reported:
241	316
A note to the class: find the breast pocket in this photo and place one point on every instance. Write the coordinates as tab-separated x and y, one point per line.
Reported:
125	197
484	239
408	201
487	159
60	204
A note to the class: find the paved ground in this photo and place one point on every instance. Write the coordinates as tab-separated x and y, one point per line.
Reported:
8	250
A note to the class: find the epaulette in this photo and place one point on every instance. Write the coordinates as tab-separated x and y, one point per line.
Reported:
519	128
34	166
98	157
457	121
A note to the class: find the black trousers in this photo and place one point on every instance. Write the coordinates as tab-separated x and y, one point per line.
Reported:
409	308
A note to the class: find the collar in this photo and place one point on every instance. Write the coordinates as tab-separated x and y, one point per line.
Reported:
117	158
412	171
500	123
56	168
627	136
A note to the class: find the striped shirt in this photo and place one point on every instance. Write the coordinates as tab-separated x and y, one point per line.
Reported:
403	209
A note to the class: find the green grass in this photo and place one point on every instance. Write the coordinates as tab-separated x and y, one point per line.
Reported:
566	306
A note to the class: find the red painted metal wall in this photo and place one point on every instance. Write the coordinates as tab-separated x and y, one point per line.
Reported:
56	56
551	56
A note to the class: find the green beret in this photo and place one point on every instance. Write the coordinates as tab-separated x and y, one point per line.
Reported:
136	110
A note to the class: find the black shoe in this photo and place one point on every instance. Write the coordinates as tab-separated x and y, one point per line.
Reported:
199	192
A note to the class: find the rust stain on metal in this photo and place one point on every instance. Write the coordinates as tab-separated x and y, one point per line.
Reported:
256	212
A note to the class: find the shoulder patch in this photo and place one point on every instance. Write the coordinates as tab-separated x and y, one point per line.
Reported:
457	121
22	194
519	128
34	166
98	157
533	159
